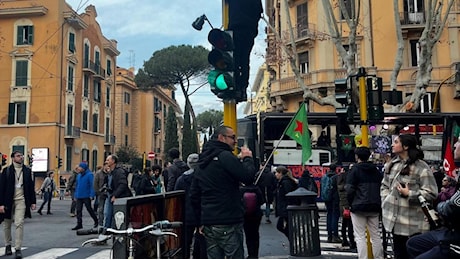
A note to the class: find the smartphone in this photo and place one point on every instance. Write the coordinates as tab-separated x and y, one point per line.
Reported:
403	185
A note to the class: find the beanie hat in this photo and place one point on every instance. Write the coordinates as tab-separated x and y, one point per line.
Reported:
192	159
83	165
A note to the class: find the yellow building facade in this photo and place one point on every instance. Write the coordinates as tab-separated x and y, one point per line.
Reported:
63	94
320	63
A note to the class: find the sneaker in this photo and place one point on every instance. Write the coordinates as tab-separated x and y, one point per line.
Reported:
336	240
49	213
77	227
329	239
72	215
18	254
8	250
268	221
39	212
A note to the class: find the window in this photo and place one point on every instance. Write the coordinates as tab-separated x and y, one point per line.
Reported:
84	155
109	67
107	97
72	42
107	127
69	119
68	157
86	56
19	148
348	5
70	77
85	120
97	91
94	161
17	113
426	104
86	86
126	139
302	20
25	35
95	122
22	69
97	62
414	52
126	119
303	62
127	98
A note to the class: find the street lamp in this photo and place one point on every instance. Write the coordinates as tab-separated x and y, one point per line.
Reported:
198	23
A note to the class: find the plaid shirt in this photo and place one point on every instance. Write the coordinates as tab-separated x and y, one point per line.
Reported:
404	215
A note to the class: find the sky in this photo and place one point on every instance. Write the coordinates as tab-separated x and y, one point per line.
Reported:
142	27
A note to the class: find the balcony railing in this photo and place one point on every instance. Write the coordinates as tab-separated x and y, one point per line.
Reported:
412	18
109	140
72	132
94	68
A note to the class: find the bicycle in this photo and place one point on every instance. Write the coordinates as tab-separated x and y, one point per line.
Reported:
155	230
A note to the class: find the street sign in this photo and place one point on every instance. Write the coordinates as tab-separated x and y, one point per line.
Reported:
151	155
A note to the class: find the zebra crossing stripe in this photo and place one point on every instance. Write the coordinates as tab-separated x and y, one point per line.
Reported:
52	253
104	254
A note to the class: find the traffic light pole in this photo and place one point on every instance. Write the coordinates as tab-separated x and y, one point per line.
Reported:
230	104
363	107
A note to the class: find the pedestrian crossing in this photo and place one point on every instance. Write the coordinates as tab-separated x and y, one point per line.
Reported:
64	253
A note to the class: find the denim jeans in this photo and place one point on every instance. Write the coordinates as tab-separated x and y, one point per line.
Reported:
224	241
429	246
333	215
108	212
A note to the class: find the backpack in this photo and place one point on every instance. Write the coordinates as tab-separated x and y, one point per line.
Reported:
326	188
252	200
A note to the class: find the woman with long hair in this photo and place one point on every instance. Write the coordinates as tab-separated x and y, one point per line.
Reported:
286	184
406	177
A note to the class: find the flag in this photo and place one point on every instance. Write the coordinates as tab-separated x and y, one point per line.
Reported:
298	130
449	164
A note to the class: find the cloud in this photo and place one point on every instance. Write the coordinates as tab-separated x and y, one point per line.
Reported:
142	27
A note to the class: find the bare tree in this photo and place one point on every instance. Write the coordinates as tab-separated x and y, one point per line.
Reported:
435	22
348	56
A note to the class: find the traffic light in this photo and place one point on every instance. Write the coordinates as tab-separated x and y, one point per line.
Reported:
374	98
59	159
344	96
4	157
221	78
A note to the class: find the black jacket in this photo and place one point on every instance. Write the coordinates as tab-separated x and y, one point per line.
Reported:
215	193
146	185
119	185
184	183
174	172
285	185
7	188
363	188
267	184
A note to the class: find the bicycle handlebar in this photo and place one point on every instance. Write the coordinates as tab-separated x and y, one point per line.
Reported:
164	224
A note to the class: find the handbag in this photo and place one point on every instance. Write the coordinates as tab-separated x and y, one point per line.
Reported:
346	213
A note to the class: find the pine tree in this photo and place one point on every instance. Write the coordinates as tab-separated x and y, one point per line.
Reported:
171	138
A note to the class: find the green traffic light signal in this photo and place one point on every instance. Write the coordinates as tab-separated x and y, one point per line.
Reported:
221	79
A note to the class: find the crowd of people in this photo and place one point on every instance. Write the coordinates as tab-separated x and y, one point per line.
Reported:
225	194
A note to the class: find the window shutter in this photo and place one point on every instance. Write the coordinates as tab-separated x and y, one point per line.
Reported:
21	112
11	113
20	35
21	72
30	37
72	42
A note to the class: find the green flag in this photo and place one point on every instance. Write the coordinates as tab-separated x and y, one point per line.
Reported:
298	130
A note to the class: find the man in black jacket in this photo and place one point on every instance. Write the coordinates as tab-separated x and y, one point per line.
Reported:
16	193
363	194
117	187
176	169
215	193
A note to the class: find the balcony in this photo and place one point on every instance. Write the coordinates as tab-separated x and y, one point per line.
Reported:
412	19
72	132
109	140
94	68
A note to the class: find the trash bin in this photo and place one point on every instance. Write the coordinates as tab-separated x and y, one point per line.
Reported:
303	224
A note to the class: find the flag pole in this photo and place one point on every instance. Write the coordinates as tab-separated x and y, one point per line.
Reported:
279	141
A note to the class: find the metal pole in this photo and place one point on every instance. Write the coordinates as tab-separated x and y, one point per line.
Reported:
363	106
